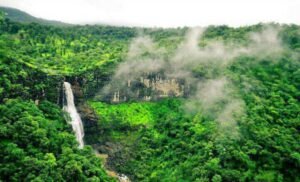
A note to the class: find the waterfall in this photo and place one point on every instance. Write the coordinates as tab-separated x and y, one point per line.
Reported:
74	118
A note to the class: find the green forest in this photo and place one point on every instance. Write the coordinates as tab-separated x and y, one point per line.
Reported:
226	109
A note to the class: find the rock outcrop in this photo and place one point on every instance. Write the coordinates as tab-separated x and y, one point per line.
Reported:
148	87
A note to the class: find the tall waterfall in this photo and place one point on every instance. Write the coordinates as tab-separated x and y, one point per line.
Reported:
74	119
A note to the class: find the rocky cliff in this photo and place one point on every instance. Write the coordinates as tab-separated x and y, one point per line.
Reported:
149	86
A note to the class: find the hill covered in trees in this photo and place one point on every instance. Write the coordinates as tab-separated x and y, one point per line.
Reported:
237	119
23	17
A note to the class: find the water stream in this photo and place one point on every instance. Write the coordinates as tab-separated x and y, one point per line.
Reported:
74	118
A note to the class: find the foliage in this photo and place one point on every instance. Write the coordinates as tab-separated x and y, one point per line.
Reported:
162	141
134	113
20	16
177	146
18	80
36	142
37	145
114	120
180	147
65	50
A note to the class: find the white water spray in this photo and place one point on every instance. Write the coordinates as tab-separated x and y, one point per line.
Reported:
74	119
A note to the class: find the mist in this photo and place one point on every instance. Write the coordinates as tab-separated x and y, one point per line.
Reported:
213	94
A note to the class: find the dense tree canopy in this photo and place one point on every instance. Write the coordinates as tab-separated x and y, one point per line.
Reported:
148	141
37	145
161	142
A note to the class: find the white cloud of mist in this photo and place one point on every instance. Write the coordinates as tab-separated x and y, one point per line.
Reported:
226	119
215	97
139	46
264	43
212	95
143	56
211	91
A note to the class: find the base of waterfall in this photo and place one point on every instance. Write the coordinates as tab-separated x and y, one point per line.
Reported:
123	178
118	176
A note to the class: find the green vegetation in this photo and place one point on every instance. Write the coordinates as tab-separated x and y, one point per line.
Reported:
125	118
37	145
36	142
134	113
148	141
183	147
20	16
90	52
62	50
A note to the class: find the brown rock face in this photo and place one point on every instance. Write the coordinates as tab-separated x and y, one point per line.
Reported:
77	91
150	86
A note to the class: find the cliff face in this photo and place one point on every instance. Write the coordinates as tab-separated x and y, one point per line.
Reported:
148	87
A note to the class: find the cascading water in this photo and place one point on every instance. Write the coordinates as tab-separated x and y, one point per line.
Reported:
74	118
76	122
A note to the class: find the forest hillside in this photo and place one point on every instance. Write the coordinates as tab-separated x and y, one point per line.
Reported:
202	104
